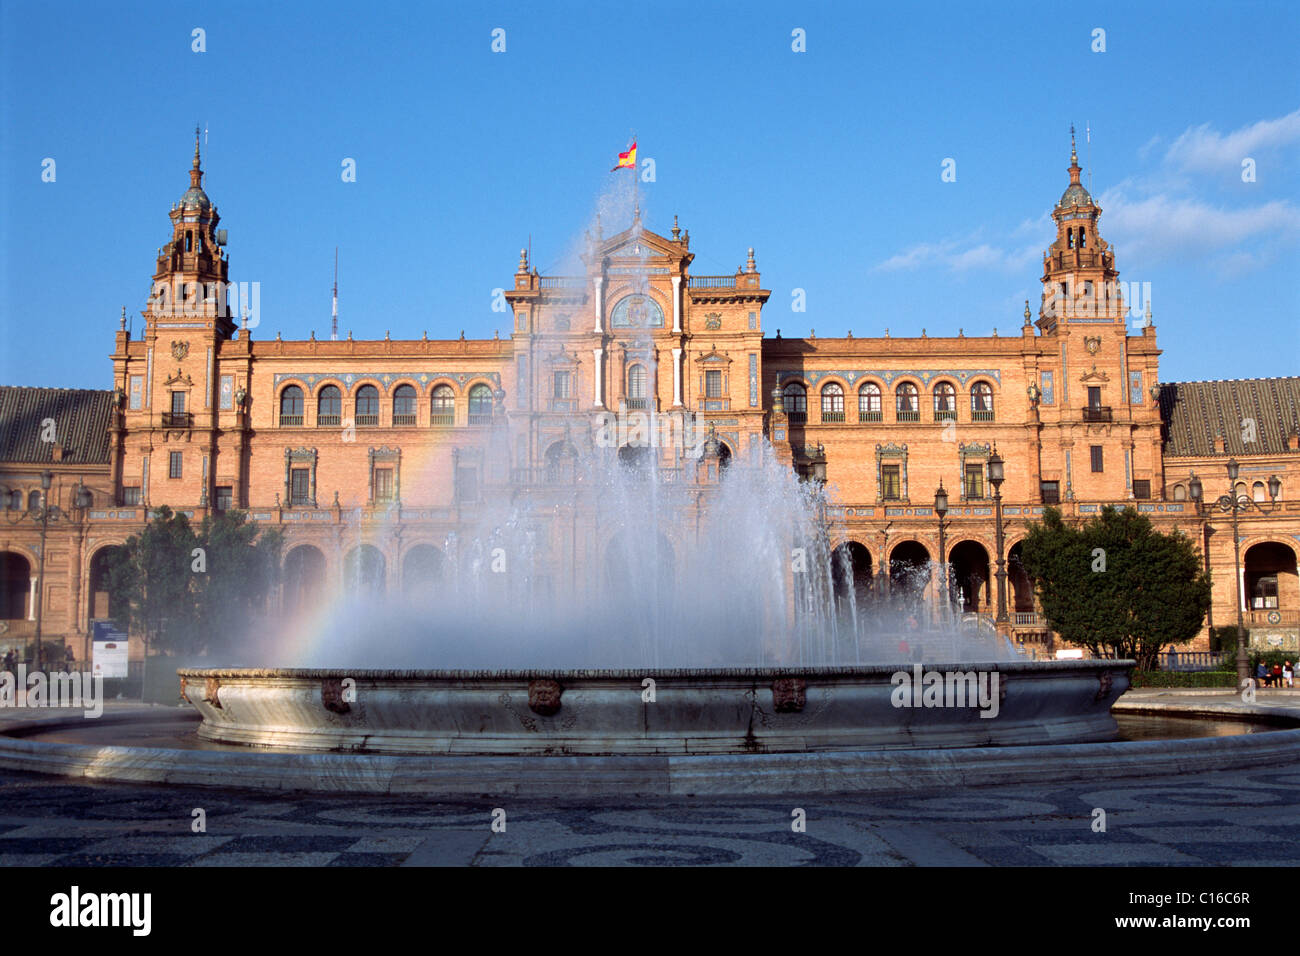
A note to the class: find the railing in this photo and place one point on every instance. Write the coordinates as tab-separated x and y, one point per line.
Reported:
797	418
1279	617
1051	497
480	418
367	420
329	421
876	416
904	415
403	419
288	420
1028	619
442	419
981	415
832	417
562	282
176	419
638	404
1190	660
711	282
945	414
1096	413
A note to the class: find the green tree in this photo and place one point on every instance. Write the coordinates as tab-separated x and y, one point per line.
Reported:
151	577
1116	584
190	592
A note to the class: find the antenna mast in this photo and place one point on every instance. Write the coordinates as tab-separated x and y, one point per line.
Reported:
334	308
1087	132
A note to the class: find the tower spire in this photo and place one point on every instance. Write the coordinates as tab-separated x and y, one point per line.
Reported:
196	168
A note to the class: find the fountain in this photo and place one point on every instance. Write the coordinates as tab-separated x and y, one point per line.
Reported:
632	619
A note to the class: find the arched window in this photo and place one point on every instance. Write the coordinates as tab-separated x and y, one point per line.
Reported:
794	400
16	500
1180	493
869	403
636	387
981	402
945	402
329	406
443	407
1241	491
1258	492
907	402
832	403
367	405
33	501
189	241
291	406
480	405
404	405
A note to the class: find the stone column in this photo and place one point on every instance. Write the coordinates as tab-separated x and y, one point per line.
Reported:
600	305
677	305
677	378
597	400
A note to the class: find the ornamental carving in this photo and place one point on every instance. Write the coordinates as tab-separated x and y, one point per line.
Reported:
1092	343
180	350
713	320
544	697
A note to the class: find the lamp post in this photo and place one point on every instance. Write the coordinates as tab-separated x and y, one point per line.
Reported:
996	477
1235	504
941	509
44	513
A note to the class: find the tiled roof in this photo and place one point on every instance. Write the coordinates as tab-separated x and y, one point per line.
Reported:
81	421
1195	412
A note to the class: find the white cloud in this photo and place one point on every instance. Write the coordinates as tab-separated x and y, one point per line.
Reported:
960	255
1159	226
1204	148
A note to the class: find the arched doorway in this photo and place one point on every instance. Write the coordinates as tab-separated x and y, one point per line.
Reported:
363	570
636	460
969	579
909	572
1022	588
15	587
100	604
851	575
1270	581
304	577
561	463
421	570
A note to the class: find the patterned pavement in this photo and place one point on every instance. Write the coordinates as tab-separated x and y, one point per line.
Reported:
1225	818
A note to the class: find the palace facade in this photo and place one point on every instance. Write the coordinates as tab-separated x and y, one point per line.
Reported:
370	453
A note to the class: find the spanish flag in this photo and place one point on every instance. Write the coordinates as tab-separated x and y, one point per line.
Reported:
627	160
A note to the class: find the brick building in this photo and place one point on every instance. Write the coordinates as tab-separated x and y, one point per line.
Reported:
370	453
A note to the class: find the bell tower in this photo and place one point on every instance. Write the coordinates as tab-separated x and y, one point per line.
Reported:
1079	275
191	271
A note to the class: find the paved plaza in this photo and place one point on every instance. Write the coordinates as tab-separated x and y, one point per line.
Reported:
1231	817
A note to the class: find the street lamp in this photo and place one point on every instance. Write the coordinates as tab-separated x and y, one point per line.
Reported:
1234	504
44	513
996	478
941	509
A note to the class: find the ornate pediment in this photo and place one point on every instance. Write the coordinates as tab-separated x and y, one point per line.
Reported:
178	377
712	357
1092	375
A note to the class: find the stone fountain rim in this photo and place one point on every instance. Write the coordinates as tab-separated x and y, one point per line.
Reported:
858	670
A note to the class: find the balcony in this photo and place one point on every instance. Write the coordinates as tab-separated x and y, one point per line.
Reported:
832	418
177	420
711	282
1029	619
480	418
945	414
909	415
329	421
442	419
638	404
405	418
981	415
367	420
1272	617
290	421
868	417
1097	413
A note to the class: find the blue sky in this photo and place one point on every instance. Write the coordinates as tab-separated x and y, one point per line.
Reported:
827	162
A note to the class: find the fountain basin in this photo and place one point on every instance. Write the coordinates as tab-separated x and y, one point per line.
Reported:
693	711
